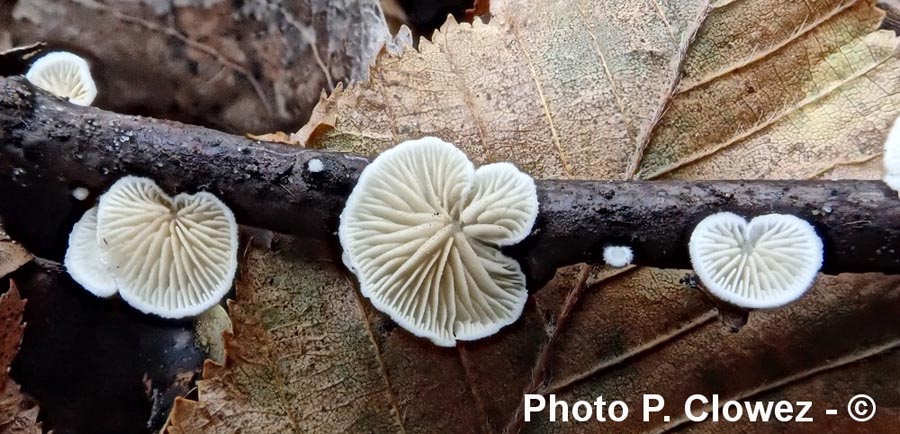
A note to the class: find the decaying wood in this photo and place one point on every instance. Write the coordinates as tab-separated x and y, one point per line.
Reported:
48	146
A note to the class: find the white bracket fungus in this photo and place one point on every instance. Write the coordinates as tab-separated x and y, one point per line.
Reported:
422	231
766	263
892	157
65	75
617	256
172	257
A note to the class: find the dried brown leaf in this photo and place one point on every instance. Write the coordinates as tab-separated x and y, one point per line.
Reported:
545	85
480	8
17	414
825	97
301	358
12	254
830	389
12	309
776	348
276	137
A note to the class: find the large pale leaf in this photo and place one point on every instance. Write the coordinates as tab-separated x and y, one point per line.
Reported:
824	98
603	90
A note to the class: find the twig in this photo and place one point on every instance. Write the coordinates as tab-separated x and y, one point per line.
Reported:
48	147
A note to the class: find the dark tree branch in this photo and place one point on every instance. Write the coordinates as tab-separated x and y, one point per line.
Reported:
47	145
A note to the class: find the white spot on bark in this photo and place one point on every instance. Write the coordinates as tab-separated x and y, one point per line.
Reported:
80	193
315	165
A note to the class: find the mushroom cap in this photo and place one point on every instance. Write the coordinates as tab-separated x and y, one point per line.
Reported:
170	257
65	75
82	257
892	157
617	256
421	231
766	263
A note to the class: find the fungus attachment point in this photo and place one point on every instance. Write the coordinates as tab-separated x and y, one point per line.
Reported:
172	257
82	257
65	75
422	231
766	263
617	256
892	157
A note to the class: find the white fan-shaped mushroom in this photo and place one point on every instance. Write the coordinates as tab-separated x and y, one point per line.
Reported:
421	231
82	257
65	75
169	257
766	263
892	157
617	256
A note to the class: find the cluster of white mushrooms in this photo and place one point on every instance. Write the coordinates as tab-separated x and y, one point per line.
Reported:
423	228
171	257
65	75
422	231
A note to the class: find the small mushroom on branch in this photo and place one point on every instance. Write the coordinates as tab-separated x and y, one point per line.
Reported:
618	256
171	257
766	263
422	231
65	75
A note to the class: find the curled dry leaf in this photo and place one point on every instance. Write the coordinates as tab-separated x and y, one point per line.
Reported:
209	332
12	254
617	90
17	415
480	8
276	137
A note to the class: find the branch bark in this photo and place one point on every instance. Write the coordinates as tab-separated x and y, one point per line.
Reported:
48	147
